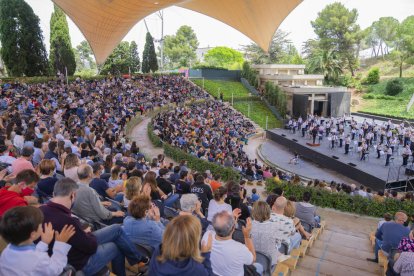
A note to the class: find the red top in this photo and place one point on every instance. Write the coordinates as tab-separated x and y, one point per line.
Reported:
9	199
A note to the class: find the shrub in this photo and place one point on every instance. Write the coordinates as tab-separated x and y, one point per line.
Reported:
394	87
368	96
373	76
343	202
155	140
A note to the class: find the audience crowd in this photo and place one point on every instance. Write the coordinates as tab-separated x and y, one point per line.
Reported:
77	194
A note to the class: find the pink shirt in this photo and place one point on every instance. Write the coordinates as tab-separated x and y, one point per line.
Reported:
21	164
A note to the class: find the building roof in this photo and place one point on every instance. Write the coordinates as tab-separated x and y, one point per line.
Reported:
104	23
292	77
278	66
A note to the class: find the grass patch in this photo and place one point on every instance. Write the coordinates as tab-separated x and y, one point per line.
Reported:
258	109
377	102
258	113
226	87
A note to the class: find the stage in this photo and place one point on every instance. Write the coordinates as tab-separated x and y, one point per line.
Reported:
371	173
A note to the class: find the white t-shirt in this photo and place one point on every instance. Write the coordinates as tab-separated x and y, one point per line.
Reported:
228	257
214	207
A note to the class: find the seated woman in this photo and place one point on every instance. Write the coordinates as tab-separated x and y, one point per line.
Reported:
132	189
47	180
115	180
180	252
70	167
289	212
235	197
143	225
264	236
404	261
217	204
190	205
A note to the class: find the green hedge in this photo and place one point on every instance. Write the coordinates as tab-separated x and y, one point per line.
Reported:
194	162
343	202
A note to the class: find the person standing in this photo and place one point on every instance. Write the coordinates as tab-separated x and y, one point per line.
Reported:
347	143
406	154
389	154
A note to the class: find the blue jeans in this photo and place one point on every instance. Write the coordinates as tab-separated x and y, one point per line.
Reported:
377	248
295	241
169	202
113	246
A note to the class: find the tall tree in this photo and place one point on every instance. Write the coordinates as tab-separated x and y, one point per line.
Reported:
149	58
404	44
23	51
135	62
180	49
277	50
325	62
223	57
338	31
385	31
85	55
61	53
118	61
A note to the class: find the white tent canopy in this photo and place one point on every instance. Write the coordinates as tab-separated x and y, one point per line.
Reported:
105	22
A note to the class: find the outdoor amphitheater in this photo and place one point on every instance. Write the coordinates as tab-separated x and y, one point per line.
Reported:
130	146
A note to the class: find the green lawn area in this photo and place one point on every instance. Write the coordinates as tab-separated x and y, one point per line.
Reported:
258	113
227	87
389	107
258	109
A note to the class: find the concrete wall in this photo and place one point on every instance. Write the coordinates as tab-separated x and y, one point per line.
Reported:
340	103
300	105
215	74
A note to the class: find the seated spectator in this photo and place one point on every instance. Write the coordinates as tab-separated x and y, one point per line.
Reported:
23	162
5	157
91	251
390	234
143	225
180	253
70	168
284	226
133	188
190	205
150	181
175	175
52	154
217	204
163	183
203	192
17	194
306	212
228	256
404	264
115	180
181	185
100	185
289	212
87	203
255	197
265	238
215	183
236	199
21	226
47	180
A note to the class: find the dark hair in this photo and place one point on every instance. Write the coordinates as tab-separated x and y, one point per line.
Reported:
200	178
277	191
27	176
27	151
183	174
52	145
38	143
306	196
19	222
176	169
387	217
271	200
219	193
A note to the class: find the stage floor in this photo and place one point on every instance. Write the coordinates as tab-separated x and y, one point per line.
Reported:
372	165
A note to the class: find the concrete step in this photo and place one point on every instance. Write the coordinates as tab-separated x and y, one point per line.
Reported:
346	241
315	266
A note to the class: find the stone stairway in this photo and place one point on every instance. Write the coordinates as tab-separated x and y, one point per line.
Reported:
342	248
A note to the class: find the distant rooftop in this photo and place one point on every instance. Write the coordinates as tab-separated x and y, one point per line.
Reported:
278	66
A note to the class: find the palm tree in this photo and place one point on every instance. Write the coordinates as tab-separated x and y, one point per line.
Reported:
326	62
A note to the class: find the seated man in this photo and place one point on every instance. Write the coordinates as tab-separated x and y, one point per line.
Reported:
306	212
144	225
100	185
21	226
91	251
228	256
390	234
190	205
18	194
87	203
284	225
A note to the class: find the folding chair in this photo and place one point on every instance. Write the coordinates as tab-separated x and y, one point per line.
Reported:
266	261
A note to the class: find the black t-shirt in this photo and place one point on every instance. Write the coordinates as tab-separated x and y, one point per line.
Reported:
47	185
182	187
100	186
164	185
204	193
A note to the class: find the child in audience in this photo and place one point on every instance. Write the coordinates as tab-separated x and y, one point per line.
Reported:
255	196
20	227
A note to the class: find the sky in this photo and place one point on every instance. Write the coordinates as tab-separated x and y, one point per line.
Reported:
211	32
